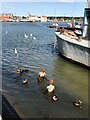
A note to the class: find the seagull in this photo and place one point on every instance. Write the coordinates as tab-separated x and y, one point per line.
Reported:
15	50
31	35
0	117
34	38
26	36
6	32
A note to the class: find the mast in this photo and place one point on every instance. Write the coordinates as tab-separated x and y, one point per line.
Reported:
87	3
73	22
86	22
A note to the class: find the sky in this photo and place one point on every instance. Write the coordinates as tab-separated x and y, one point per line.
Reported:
47	7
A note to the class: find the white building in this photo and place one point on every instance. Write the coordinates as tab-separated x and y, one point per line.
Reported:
43	19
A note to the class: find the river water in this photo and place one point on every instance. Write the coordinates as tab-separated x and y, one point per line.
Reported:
70	80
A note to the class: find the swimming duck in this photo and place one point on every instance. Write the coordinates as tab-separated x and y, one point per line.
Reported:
54	98
77	103
25	81
21	70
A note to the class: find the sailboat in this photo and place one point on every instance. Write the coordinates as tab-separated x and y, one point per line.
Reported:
54	24
74	26
76	47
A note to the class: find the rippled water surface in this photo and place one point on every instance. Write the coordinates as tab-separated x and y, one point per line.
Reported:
71	81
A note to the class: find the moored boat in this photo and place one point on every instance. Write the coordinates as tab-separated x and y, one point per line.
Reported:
54	25
74	46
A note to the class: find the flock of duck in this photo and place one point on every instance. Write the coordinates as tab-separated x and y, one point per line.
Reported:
77	103
25	81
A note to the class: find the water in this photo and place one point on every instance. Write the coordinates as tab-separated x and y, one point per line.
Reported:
71	81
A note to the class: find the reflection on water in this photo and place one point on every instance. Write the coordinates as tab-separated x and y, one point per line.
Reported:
71	80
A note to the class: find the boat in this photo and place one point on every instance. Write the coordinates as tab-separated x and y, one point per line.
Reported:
76	47
54	25
77	25
74	26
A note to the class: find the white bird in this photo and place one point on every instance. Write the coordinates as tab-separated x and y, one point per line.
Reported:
26	36
15	50
54	45
0	117
6	32
31	35
34	38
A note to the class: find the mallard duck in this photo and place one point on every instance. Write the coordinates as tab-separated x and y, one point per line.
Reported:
18	70
25	81
77	103
55	98
21	70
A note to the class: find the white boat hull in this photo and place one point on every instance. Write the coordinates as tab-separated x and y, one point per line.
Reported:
78	51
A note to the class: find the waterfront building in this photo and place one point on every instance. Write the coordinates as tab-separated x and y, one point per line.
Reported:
6	17
43	19
33	18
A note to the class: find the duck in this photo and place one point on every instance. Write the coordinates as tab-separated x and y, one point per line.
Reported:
18	70
77	103
55	98
21	70
25	81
